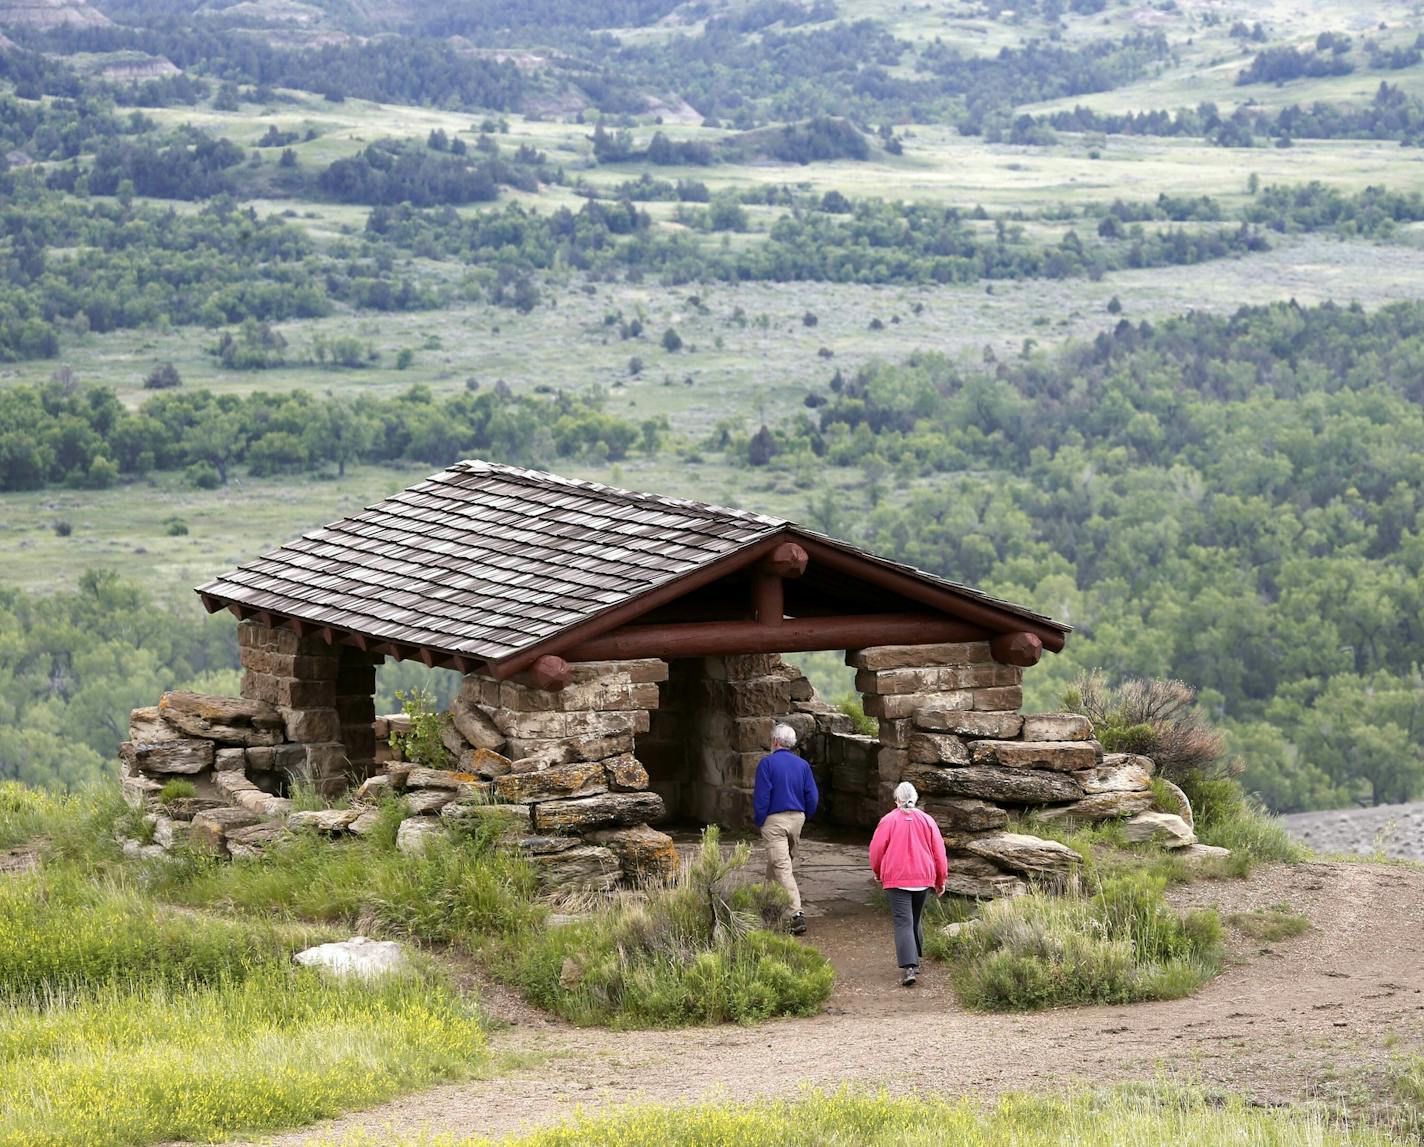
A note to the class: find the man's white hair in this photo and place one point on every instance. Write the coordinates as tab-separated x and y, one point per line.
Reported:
906	795
784	735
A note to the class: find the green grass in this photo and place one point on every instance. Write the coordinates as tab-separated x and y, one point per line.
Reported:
1278	922
277	1049
1126	1117
27	813
1121	944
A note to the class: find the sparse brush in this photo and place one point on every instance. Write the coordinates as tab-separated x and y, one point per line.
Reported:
179	788
1278	922
1154	717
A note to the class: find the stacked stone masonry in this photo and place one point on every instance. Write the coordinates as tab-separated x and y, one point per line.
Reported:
576	778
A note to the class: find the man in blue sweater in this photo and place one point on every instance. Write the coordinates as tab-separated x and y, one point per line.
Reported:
784	797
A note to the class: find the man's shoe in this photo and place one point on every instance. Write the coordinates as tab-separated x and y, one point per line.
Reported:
798	924
911	974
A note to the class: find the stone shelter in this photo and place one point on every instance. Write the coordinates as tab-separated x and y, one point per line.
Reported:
621	665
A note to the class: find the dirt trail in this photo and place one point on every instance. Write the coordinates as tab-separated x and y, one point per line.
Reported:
1321	1015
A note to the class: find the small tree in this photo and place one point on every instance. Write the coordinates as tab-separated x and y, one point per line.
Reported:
164	376
672	341
1154	717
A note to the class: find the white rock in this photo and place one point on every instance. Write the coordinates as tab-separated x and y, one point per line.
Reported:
416	832
359	957
1164	828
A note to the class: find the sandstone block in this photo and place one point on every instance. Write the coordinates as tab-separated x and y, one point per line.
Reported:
281	640
258	759
136	787
474	727
257	686
996	783
451	739
185	756
471	816
997	699
625	773
230	760
365	822
579	778
1030	855
608	810
326	761
147	724
353	680
895	733
586	868
374	788
759	697
427	802
186	808
916	656
890	764
931	679
958	816
1195	852
329	820
1061	756
484	763
250	843
895	706
982	879
643	671
752	734
291	759
423	778
551	726
1164	828
306	726
644	853
264	804
531	755
1057	727
231	720
1100	806
415	834
937	749
972	723
801	689
1119	772
210	828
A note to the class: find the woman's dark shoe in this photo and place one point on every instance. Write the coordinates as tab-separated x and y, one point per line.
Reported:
909	976
798	924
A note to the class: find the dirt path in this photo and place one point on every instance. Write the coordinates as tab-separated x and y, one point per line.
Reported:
1318	1016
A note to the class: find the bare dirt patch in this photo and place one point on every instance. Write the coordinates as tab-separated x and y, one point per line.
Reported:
15	860
1320	1015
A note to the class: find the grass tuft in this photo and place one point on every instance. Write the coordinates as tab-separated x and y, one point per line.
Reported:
1278	922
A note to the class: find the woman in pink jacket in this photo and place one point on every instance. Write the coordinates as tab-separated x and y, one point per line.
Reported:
907	857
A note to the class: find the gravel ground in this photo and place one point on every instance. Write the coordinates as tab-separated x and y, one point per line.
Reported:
1393	830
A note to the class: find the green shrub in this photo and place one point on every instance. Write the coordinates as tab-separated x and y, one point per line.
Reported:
692	953
423	745
1153	717
1122	944
1228	818
852	706
179	788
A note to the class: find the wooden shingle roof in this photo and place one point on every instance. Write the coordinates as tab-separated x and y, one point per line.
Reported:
482	562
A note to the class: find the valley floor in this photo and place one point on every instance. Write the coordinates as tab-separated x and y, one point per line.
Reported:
1323	1016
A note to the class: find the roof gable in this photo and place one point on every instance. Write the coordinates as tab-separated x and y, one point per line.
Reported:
493	564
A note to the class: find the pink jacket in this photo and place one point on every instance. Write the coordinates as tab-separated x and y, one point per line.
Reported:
907	851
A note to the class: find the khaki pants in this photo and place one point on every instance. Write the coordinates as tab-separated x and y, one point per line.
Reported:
781	832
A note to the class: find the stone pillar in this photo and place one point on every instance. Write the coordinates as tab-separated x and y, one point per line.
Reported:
299	676
742	697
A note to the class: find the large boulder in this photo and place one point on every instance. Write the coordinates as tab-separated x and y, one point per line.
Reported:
957	816
416	833
251	842
231	720
582	868
147	724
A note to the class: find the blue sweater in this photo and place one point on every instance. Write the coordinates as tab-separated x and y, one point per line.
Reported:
784	784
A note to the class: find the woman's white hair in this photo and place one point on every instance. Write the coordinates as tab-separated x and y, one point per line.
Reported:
784	735
906	794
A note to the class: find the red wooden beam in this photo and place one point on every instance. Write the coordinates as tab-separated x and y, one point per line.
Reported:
1017	649
550	673
992	619
794	635
787	560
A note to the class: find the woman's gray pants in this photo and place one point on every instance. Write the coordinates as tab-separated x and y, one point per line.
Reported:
905	909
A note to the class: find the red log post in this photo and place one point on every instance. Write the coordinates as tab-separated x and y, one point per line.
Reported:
550	673
787	560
